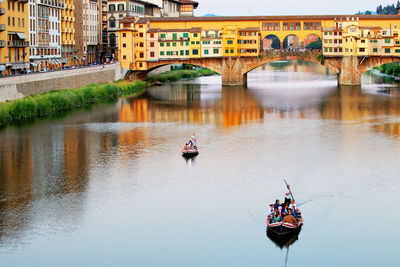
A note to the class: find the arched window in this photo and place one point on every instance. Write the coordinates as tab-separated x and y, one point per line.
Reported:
111	7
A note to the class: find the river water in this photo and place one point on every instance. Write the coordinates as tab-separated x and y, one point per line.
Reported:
108	186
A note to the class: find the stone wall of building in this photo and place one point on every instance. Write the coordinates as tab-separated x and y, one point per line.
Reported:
19	86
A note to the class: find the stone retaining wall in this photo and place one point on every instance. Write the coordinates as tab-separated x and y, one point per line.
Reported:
19	86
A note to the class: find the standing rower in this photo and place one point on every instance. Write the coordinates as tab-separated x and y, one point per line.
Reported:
288	196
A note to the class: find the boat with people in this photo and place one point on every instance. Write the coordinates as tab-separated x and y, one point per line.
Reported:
190	150
284	221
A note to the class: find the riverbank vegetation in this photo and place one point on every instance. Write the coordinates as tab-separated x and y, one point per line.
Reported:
392	69
42	105
175	75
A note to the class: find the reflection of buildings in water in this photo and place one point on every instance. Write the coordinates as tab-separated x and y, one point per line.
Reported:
16	179
352	104
78	152
184	93
239	107
236	107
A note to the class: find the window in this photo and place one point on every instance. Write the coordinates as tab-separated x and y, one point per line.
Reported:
162	35
123	34
152	35
216	50
161	44
123	45
375	50
112	22
195	51
111	7
231	51
187	52
151	44
362	50
226	51
387	41
120	7
182	52
123	57
229	42
168	44
197	42
285	26
205	51
141	55
161	53
174	44
141	34
174	36
397	50
186	35
195	34
387	50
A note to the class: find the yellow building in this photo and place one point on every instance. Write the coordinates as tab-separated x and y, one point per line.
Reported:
67	33
152	44
14	44
249	42
126	43
141	44
230	41
349	38
195	42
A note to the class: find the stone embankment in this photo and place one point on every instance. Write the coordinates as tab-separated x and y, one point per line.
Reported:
16	87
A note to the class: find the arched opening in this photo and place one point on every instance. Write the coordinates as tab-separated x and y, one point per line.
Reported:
388	73
292	42
312	42
271	42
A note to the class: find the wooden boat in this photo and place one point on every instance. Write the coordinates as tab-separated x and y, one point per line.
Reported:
283	232
189	153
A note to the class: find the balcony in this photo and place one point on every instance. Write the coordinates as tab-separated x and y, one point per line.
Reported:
2	11
2	43
2	27
18	43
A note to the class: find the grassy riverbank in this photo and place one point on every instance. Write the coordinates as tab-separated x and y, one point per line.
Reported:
175	75
50	103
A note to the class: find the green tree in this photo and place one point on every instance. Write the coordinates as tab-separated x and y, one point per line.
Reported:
317	45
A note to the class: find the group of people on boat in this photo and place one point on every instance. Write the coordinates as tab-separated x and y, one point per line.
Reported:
192	144
284	212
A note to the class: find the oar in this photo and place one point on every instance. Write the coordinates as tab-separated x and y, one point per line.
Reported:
289	190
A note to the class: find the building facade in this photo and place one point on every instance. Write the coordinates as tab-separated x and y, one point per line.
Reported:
91	31
68	33
14	41
349	38
45	34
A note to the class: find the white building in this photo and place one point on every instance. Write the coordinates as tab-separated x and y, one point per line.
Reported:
90	30
45	33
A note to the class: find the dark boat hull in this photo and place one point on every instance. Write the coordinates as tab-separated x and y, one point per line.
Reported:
282	235
190	154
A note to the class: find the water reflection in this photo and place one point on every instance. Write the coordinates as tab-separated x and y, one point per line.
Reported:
51	172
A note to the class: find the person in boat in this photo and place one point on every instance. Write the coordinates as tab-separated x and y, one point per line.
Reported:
277	217
285	211
185	147
288	196
271	210
277	205
289	218
193	140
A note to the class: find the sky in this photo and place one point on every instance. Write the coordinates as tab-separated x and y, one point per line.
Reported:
287	7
